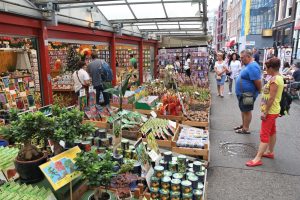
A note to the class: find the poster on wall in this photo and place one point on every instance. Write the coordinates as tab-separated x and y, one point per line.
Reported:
61	170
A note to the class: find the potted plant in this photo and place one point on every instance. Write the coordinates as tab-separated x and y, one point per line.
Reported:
120	90
98	172
68	127
25	128
123	181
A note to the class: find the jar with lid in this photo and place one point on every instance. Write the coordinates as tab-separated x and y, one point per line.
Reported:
186	186
187	196
175	185
159	171
154	182
174	195
166	182
164	194
154	193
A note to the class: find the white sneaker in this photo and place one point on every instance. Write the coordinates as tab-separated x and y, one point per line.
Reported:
229	93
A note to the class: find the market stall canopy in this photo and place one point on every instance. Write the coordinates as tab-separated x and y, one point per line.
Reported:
161	17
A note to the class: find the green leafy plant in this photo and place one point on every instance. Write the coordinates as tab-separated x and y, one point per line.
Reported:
68	126
120	90
126	167
27	127
97	172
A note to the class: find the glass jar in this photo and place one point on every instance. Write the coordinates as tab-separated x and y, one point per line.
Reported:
173	166
128	154
186	187
200	176
154	182
174	195
168	156
159	171
187	196
194	180
166	182
164	164
181	163
168	173
197	166
200	186
154	193
175	185
178	176
197	194
164	194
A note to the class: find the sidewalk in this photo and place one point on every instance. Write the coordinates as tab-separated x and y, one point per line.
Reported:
228	177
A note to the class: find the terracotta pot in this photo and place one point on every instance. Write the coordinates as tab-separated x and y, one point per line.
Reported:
29	171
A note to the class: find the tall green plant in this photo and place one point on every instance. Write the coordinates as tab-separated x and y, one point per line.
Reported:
27	127
97	172
120	90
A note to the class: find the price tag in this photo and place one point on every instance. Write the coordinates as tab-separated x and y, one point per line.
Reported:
91	88
153	155
153	114
82	93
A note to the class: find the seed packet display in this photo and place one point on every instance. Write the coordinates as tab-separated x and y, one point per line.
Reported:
20	103
30	100
3	98
5	81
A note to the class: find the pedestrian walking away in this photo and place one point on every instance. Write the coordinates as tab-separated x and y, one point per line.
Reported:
248	86
270	109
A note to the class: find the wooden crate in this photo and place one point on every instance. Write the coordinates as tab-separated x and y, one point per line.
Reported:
131	135
171	117
167	143
192	151
204	125
144	112
99	124
124	106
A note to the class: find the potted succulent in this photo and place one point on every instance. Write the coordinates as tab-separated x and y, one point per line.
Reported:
98	172
68	126
23	130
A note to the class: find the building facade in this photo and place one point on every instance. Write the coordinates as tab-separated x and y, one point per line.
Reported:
284	22
296	37
234	19
222	25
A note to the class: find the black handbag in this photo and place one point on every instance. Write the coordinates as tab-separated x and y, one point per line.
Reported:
247	97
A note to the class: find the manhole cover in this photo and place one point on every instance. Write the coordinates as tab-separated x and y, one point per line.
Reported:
238	149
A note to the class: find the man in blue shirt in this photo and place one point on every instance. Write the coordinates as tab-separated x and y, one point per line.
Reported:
249	80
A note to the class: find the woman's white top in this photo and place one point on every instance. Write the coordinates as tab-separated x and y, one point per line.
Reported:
235	67
220	66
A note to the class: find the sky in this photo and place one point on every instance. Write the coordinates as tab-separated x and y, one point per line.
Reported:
212	6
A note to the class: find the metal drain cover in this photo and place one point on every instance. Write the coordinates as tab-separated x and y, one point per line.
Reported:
238	149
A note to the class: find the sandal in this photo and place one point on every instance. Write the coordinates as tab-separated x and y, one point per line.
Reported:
268	155
250	163
242	131
238	127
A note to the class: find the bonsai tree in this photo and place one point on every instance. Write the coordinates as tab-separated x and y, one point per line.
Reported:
96	171
120	90
27	127
68	127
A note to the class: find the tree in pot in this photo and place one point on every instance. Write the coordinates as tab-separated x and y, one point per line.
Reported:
120	90
98	172
68	127
25	128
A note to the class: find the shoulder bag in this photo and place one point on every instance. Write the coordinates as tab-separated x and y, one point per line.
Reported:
247	97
